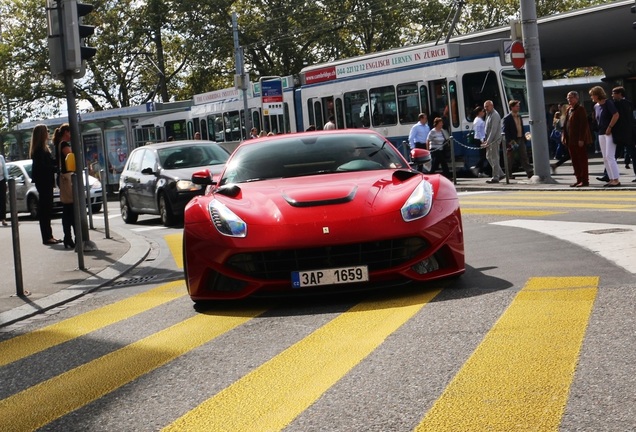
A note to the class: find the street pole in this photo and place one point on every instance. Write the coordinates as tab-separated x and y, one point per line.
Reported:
536	102
241	80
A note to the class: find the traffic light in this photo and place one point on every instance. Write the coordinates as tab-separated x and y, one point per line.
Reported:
54	16
75	32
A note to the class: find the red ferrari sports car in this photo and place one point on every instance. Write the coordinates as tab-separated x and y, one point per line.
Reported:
319	211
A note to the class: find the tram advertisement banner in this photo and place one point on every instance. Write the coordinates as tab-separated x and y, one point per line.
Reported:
117	149
93	154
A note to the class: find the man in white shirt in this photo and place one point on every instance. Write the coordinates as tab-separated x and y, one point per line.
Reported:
331	124
419	132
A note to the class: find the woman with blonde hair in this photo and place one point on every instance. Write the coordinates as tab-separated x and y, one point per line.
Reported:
62	144
43	174
606	117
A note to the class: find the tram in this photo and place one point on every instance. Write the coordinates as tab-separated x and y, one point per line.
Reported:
386	91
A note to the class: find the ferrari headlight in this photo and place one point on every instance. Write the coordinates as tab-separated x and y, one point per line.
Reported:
419	203
187	185
226	221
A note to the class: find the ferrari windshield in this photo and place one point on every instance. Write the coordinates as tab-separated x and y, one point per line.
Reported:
311	154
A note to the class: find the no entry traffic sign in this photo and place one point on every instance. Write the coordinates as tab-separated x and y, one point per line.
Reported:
517	55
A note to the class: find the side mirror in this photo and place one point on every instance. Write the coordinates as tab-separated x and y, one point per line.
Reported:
202	177
421	157
147	171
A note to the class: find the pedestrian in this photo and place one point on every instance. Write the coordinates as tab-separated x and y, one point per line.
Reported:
331	124
606	116
197	135
493	141
436	144
515	139
419	132
562	154
253	133
479	135
576	136
62	144
3	190
624	128
43	171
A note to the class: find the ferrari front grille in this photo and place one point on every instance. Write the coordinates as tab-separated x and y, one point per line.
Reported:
377	255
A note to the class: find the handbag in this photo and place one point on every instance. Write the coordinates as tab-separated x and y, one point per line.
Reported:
66	188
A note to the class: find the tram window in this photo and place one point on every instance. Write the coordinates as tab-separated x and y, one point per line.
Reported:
408	103
215	127
232	125
479	87
286	117
514	83
203	127
356	109
424	101
191	129
383	106
256	119
452	92
310	112
176	129
339	114
320	122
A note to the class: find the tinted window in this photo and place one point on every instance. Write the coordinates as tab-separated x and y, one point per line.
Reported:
383	106
408	103
176	157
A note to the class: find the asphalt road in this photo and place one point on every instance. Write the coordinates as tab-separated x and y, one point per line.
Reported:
537	335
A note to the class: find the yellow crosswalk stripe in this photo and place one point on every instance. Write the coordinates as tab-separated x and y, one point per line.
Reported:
271	396
544	204
174	242
507	212
30	343
519	377
51	399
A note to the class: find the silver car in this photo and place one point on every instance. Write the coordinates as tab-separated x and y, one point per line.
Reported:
27	195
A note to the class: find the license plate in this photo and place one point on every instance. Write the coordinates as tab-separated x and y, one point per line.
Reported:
331	276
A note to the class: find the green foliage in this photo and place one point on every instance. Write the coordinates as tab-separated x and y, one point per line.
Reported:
171	49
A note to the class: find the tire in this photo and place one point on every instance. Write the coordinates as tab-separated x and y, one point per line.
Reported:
33	206
129	216
165	211
96	208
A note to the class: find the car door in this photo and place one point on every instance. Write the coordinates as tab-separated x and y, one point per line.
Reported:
148	180
130	180
21	187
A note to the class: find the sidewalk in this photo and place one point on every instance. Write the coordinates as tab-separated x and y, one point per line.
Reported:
51	274
563	178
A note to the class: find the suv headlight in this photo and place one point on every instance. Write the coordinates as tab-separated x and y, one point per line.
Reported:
187	185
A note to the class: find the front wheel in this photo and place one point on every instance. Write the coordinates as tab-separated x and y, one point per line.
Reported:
165	211
129	216
33	206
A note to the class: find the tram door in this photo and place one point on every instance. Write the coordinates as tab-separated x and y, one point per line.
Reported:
320	109
444	104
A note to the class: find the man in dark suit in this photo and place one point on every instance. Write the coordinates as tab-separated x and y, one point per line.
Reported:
515	139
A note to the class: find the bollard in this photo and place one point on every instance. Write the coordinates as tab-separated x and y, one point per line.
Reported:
79	236
102	173
88	200
15	232
452	149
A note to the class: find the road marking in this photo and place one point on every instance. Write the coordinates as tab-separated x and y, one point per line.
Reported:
58	396
30	343
150	228
519	377
505	212
544	204
270	397
174	242
617	243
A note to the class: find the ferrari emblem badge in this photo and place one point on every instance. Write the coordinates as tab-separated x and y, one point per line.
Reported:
325	230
